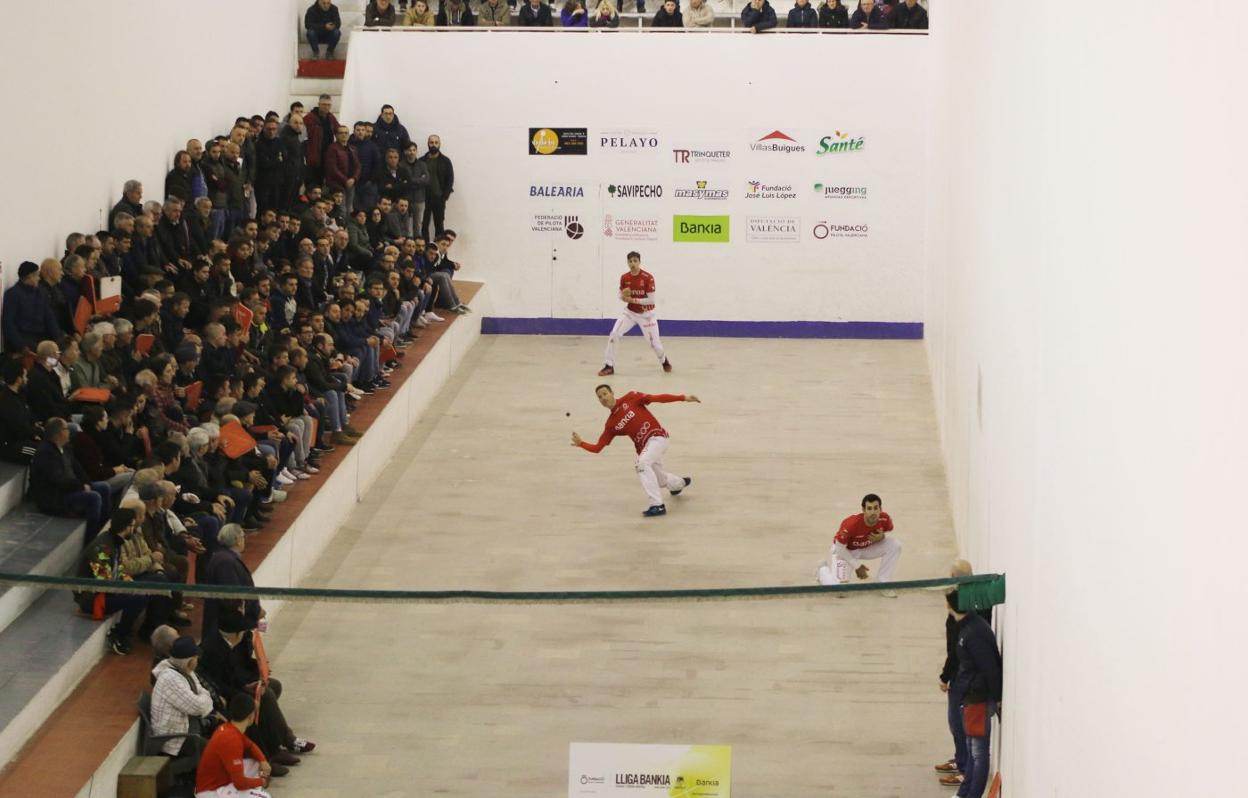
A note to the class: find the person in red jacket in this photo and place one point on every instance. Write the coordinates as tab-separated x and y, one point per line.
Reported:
630	417
862	536
232	765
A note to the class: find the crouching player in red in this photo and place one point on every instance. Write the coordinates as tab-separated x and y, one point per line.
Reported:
630	417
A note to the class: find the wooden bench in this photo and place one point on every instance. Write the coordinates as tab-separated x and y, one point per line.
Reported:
144	777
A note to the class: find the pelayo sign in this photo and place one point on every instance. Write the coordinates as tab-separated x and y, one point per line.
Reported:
628	141
558	141
700	229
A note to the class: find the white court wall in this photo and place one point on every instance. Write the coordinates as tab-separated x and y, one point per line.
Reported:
709	91
96	93
1086	330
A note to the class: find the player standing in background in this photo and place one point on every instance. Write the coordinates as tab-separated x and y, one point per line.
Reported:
862	537
637	289
630	417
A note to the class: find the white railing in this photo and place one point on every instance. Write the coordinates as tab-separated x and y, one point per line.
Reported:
734	26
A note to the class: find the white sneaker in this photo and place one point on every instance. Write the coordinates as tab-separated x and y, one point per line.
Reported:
275	497
310	469
433	317
888	593
301	474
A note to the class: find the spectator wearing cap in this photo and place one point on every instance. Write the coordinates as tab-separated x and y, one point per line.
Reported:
758	15
699	15
802	15
89	450
869	16
103	560
59	484
19	437
28	315
232	765
668	16
178	696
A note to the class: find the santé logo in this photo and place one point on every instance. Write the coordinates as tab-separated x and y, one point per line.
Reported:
839	142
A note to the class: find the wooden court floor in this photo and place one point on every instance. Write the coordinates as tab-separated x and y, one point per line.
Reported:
818	696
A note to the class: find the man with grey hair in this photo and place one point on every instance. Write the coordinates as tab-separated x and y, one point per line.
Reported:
226	567
131	202
87	371
178	695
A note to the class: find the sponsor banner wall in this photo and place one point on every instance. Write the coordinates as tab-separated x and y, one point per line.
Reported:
737	186
638	770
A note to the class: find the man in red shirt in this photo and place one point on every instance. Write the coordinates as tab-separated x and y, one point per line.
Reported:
232	765
636	289
630	417
862	537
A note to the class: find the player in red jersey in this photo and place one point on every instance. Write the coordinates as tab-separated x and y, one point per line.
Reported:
637	289
862	537
630	417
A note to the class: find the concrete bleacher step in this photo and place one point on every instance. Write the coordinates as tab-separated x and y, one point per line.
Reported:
12	486
33	543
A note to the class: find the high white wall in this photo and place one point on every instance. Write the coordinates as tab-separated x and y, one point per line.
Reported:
482	90
1086	327
96	93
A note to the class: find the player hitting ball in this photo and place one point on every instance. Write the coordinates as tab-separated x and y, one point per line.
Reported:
862	536
636	289
630	417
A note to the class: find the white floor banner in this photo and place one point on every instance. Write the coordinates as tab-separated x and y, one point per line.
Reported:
676	771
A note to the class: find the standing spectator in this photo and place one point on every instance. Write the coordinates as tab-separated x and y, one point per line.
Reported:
342	166
668	16
179	181
699	15
535	13
218	182
909	15
833	14
802	15
416	172
388	131
442	179
573	14
50	274
321	124
758	15
869	16
392	179
324	26
131	202
270	168
379	14
494	13
370	156
226	567
419	15
173	237
28	316
59	484
232	765
455	13
103	560
177	695
978	682
605	16
953	772
19	437
294	161
238	184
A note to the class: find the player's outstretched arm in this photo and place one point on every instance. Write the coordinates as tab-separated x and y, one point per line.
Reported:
692	398
577	440
595	448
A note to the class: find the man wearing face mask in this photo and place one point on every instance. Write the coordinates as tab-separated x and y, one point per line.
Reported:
439	188
18	434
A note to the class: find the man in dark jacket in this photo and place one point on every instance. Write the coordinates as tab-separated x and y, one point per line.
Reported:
43	389
369	155
952	772
668	16
19	437
321	124
270	168
180	179
535	13
293	161
226	567
978	682
388	131
131	202
908	15
60	486
51	272
802	15
28	317
379	14
869	16
758	15
324	26
173	237
416	173
455	12
440	186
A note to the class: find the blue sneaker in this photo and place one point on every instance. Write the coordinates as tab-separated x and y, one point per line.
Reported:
658	509
688	482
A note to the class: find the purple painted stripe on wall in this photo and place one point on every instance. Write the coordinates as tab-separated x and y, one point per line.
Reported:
495	325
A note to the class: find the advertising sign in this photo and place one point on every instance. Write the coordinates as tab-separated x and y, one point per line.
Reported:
700	229
649	771
558	141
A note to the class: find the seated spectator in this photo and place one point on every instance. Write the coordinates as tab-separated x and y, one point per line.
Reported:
28	316
147	565
573	14
908	15
64	363
456	13
60	486
493	13
535	13
869	16
103	560
668	16
605	16
131	202
802	15
379	14
228	665
232	765
19	434
89	450
162	643
323	25
161	540
178	696
699	15
87	371
174	238
758	16
419	15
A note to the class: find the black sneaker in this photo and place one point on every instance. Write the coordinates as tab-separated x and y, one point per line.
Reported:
688	482
118	645
658	509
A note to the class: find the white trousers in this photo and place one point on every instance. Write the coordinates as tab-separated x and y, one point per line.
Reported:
627	320
843	561
251	769
650	469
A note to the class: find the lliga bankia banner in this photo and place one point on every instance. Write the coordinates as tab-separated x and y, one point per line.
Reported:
643	771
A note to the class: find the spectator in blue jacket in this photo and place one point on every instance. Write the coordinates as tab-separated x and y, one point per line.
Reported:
370	155
758	16
668	16
869	16
573	14
388	131
802	15
323	26
979	683
28	317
